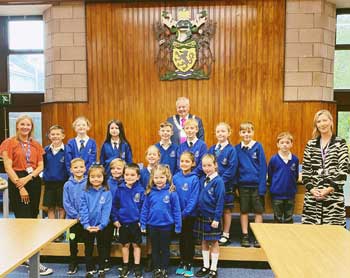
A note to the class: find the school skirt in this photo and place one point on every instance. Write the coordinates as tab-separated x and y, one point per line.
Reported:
203	230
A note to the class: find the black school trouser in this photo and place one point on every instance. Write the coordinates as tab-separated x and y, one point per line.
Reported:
160	247
187	240
22	210
102	248
75	236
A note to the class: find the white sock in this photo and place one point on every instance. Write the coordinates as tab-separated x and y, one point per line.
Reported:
226	234
214	261
206	262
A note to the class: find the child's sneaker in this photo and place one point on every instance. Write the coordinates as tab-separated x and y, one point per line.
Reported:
72	269
138	272
125	271
164	273
157	273
188	271
44	270
245	241
180	269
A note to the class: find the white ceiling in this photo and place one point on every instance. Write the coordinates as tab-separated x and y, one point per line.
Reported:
6	10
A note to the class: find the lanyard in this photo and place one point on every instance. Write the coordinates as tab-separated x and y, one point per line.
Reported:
27	153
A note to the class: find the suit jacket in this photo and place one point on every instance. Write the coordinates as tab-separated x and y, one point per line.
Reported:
177	127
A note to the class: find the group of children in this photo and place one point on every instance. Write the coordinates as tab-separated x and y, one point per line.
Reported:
186	189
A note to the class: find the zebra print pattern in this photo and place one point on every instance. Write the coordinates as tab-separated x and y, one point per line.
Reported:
333	173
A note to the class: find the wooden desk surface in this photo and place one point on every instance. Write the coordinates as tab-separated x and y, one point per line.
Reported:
296	250
20	239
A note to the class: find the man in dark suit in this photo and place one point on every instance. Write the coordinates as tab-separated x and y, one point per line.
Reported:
178	120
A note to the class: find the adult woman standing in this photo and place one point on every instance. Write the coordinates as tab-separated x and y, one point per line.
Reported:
23	162
325	168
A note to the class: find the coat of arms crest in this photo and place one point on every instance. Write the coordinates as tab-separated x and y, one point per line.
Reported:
184	46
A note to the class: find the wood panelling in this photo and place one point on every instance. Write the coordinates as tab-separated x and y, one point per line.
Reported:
246	81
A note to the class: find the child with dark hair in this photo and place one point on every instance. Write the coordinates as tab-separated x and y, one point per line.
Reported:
115	145
95	210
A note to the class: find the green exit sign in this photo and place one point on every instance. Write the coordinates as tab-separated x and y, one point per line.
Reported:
5	99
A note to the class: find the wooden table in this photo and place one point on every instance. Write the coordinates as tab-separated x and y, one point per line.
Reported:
22	239
296	250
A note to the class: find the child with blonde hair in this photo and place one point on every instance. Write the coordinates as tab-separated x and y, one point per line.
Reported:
82	145
193	145
161	215
210	207
251	179
226	158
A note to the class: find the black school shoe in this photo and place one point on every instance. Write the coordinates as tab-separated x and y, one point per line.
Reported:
72	269
202	272
245	240
213	274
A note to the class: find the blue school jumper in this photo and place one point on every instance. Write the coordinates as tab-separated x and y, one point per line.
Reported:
114	184
227	168
210	208
144	176
54	165
127	203
187	188
211	199
72	192
95	207
88	153
198	149
169	156
161	209
252	167
283	177
108	153
175	121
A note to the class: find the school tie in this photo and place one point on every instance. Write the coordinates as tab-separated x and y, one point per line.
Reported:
115	145
81	145
191	144
217	150
206	181
182	138
245	148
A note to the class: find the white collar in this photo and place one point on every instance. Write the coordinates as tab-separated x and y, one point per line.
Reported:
289	157
249	146
213	176
222	145
165	145
112	142
61	147
86	138
193	141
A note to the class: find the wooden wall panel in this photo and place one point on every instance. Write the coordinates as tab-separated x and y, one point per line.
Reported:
246	81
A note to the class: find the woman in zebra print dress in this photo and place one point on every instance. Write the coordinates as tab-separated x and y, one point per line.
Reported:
325	168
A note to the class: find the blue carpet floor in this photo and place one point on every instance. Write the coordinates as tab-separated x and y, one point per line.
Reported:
224	272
